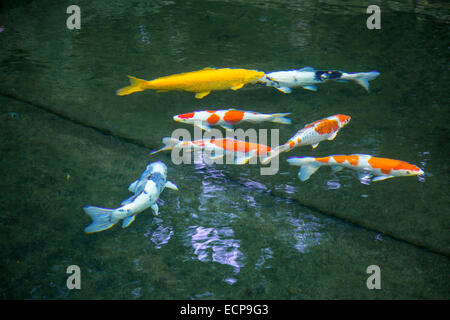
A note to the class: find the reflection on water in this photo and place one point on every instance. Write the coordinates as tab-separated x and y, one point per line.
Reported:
216	245
161	235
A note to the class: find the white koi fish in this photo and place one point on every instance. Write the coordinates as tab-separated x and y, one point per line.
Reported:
308	77
227	118
146	191
368	167
312	134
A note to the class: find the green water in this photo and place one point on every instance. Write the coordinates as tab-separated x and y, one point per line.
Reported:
67	141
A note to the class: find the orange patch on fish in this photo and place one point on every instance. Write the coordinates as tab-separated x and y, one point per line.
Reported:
213	118
186	115
386	165
233	116
353	160
291	144
241	146
323	160
327	126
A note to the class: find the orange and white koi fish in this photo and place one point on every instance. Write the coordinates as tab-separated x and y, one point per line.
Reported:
312	134
368	167
201	82
227	118
243	150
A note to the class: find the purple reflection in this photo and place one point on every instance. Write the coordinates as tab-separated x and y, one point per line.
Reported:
307	234
254	185
333	185
216	245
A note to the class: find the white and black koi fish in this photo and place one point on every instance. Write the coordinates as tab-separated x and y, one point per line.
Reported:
308	77
146	191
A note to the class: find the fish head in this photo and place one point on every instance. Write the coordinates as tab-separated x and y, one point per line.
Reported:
406	169
185	117
343	119
157	167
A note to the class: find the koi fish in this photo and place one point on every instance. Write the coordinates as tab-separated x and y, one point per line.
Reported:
243	150
312	134
227	118
201	82
308	77
146	191
368	167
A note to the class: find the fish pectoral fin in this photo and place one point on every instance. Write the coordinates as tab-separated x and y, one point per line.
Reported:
200	95
315	145
243	158
171	185
155	208
335	169
284	89
227	127
333	136
128	220
307	170
310	87
133	185
203	127
238	86
379	178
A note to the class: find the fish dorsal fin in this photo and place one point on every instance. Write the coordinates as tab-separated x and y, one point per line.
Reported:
307	69
171	185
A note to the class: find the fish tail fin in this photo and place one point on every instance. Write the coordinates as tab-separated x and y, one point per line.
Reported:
308	166
281	118
101	219
135	86
275	152
169	144
361	78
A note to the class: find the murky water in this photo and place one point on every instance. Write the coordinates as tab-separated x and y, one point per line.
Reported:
229	232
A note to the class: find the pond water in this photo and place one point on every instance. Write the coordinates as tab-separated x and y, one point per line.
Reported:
67	141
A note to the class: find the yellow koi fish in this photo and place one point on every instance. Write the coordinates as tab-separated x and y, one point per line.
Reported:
201	82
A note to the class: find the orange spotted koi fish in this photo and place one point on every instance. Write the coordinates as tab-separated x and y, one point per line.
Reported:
227	118
368	167
200	82
312	134
243	150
